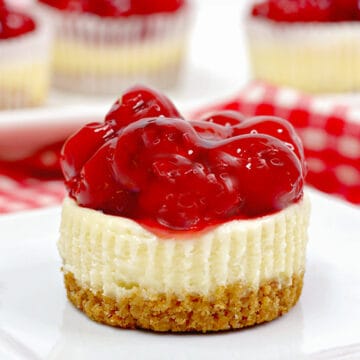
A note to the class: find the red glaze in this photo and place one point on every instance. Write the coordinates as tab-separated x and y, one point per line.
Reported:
140	102
147	163
307	10
117	8
13	23
345	10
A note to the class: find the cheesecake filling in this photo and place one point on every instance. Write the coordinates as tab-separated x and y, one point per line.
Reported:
117	257
110	60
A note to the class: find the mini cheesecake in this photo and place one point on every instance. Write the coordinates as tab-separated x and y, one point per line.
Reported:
24	59
103	46
309	45
176	225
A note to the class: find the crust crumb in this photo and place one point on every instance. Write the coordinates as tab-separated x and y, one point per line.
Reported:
230	307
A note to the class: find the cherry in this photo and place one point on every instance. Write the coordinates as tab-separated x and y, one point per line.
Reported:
13	23
267	173
96	187
140	102
140	144
235	124
276	127
164	5
294	10
211	131
345	10
260	9
225	118
82	145
147	163
184	194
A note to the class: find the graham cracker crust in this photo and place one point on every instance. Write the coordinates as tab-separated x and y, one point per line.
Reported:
228	308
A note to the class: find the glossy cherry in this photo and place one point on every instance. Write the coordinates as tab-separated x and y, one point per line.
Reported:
275	127
96	186
308	10
14	23
140	102
147	163
225	118
345	10
82	145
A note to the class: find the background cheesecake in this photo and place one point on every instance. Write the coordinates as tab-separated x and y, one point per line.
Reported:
24	59
103	46
309	45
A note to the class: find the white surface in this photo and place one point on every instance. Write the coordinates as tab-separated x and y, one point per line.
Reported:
22	132
37	322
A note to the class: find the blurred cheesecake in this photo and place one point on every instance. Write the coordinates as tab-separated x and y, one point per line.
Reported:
103	46
24	59
309	45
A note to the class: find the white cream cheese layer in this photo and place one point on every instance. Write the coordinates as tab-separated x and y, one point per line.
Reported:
315	57
116	255
116	60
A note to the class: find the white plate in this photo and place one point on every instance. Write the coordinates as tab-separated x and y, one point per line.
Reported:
24	131
37	322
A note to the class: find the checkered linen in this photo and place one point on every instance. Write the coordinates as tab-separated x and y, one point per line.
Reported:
18	194
330	131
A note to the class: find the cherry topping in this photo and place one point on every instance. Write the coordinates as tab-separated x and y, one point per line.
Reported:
141	143
13	23
225	118
140	102
307	10
265	171
345	10
117	8
147	163
82	145
97	188
275	127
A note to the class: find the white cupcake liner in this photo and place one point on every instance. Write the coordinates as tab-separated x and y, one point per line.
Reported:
313	57
104	55
25	68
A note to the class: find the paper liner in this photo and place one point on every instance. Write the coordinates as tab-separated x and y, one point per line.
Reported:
25	68
104	55
313	57
116	256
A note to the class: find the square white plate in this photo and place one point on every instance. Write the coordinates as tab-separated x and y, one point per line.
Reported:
37	322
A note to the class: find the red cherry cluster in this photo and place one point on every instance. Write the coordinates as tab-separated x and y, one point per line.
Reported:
13	23
116	8
308	10
147	163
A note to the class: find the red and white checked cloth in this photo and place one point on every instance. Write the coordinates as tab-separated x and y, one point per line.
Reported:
19	192
330	132
329	129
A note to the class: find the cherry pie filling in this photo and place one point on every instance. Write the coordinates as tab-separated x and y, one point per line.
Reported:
307	10
117	8
14	23
147	163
